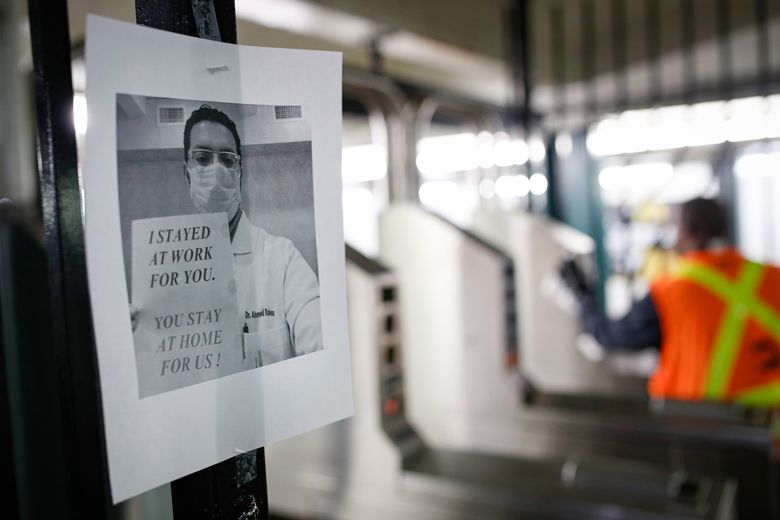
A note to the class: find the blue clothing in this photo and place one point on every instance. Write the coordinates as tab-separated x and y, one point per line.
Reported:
637	330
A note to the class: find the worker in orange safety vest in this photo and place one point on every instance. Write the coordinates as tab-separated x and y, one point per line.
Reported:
716	317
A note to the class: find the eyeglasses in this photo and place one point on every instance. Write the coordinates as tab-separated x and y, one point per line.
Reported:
204	157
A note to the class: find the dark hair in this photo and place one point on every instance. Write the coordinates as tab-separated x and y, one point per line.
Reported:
703	220
208	113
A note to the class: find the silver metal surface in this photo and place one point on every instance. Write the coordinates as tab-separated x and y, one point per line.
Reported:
479	453
548	332
461	392
350	468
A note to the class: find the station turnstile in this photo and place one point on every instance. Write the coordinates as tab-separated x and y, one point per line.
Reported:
548	333
457	306
376	464
442	270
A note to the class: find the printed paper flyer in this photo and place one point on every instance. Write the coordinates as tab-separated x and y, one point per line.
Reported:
215	251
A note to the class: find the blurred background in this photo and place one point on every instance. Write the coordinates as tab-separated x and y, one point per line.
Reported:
484	143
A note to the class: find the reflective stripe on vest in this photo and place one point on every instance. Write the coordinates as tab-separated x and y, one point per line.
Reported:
741	304
764	395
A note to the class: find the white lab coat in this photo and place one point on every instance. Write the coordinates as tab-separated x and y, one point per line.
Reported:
278	297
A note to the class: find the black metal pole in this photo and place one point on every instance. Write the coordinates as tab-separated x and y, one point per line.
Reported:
559	58
236	488
521	57
519	37
687	40
71	322
589	42
10	491
32	402
558	82
653	50
724	47
619	53
764	63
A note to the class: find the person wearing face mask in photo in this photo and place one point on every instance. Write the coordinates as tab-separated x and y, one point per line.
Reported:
276	289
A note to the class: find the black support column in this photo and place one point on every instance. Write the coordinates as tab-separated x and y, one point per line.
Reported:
71	320
234	489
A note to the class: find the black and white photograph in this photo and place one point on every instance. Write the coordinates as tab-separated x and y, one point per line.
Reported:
217	217
214	247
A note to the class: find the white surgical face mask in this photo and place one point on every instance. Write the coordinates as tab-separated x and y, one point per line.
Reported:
215	189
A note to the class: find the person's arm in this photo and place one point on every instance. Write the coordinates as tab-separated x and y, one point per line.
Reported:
638	329
302	304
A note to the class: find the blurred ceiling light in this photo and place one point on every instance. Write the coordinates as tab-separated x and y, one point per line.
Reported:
360	219
511	152
538	184
636	176
750	119
357	201
706	124
667	127
611	178
757	165
536	150
691	179
361	163
485	143
634	130
603	137
302	17
445	154
78	73
505	186
511	186
487	188
682	126
563	144
439	194
773	129
80	113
